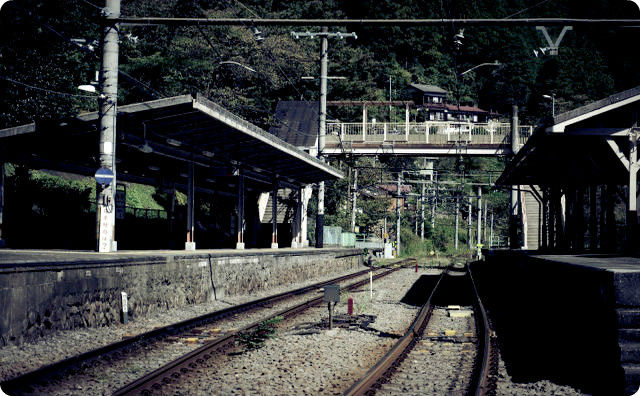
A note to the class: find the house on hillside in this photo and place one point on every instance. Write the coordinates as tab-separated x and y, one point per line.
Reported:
433	99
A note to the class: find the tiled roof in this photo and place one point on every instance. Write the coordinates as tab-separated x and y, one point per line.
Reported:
296	122
429	88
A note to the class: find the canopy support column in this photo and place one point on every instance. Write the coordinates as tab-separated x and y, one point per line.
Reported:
2	240
593	217
295	224
241	222
632	208
274	216
190	244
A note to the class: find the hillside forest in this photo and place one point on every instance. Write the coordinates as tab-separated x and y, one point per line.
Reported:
48	48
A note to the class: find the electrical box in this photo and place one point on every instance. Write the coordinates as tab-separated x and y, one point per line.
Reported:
331	293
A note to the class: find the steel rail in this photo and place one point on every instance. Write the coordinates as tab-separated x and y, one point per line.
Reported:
483	376
42	374
374	22
169	372
485	371
387	363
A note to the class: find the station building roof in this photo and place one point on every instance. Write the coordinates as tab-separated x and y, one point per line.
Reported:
157	139
587	145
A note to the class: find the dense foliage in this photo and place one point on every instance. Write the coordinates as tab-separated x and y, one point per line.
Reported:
35	49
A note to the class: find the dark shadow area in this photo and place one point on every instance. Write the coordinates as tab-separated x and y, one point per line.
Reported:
554	322
454	290
420	290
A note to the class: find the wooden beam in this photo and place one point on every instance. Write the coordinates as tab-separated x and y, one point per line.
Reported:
616	150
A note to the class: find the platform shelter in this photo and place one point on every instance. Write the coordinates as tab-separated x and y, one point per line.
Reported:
581	167
189	144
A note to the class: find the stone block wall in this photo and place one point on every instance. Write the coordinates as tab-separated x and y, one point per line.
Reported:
38	299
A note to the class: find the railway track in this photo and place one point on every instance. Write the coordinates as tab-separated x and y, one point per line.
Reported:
446	350
195	329
183	366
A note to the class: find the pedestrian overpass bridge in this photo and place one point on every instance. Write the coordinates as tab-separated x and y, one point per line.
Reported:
438	138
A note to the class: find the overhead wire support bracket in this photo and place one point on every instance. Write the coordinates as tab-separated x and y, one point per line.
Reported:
339	35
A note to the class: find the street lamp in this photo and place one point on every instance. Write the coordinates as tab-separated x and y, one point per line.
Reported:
237	64
553	103
495	63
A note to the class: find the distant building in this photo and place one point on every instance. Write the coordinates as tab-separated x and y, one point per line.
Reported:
434	100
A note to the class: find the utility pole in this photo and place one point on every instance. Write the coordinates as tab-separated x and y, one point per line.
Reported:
2	241
422	212
353	206
469	218
479	228
491	231
457	213
433	210
398	216
105	212
513	212
484	221
322	116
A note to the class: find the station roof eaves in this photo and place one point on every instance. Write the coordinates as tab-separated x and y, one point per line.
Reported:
197	125
554	155
617	100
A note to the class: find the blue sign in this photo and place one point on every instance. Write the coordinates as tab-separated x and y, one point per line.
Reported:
104	176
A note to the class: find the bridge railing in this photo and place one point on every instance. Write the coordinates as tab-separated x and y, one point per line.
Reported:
430	132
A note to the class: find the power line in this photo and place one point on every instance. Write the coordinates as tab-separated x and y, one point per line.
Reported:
526	9
47	90
374	22
77	46
91	4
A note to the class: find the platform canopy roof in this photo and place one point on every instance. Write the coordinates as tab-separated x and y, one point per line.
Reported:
156	141
587	145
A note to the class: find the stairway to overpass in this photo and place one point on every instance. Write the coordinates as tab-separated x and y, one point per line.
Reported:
531	221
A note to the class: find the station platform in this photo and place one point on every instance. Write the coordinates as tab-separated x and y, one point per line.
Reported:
35	257
573	319
47	290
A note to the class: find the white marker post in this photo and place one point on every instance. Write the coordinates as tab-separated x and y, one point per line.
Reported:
124	313
370	286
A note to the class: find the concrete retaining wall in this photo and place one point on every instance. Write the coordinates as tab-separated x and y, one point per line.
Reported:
39	298
555	321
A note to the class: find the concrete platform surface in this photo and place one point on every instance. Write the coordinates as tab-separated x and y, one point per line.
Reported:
34	257
596	261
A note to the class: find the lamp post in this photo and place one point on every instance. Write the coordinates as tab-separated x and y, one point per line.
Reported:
237	64
553	103
495	63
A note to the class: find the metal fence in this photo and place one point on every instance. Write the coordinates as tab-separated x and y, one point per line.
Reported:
429	132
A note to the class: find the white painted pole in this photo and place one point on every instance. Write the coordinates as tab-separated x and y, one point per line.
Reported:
105	208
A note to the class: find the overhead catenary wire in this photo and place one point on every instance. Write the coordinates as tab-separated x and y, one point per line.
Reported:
51	91
376	22
148	89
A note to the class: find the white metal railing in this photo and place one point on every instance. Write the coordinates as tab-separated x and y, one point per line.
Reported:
429	132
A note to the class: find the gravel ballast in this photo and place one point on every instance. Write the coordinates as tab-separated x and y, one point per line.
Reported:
306	359
20	359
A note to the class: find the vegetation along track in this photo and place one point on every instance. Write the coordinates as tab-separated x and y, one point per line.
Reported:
102	360
446	350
